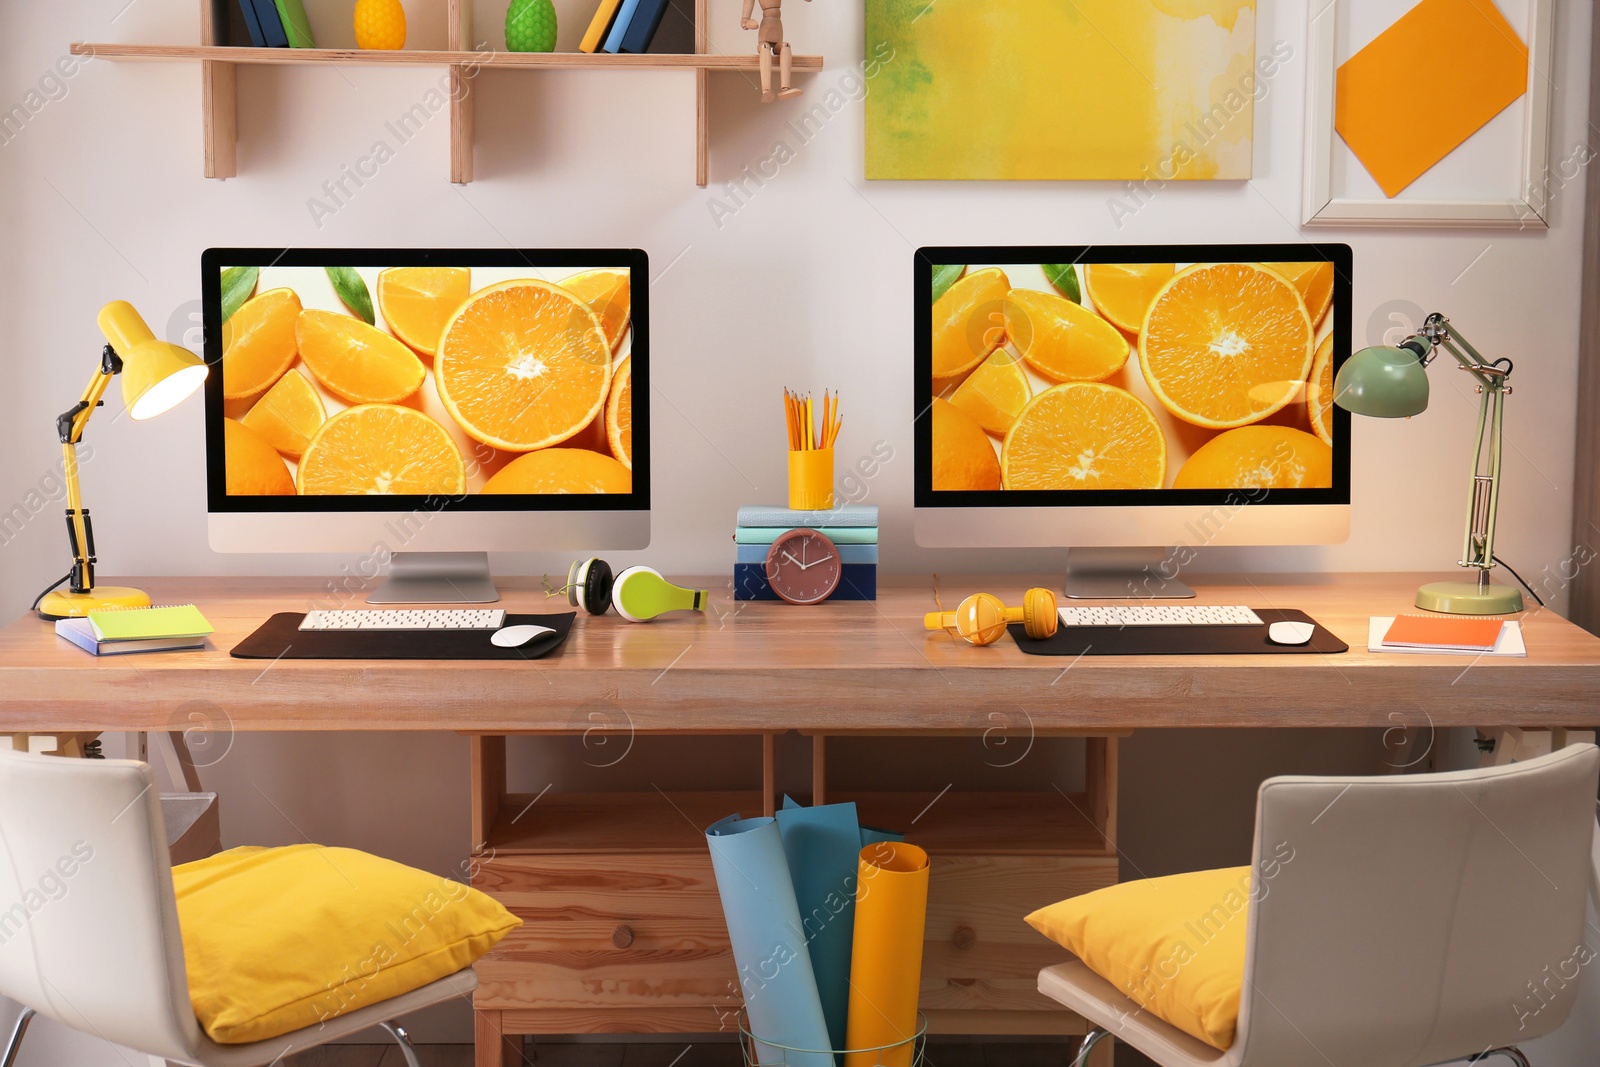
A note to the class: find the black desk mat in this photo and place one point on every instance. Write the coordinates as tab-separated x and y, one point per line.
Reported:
1179	640
279	638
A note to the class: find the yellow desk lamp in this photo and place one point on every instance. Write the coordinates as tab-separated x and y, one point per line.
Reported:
156	376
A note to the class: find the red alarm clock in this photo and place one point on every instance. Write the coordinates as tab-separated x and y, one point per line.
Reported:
803	566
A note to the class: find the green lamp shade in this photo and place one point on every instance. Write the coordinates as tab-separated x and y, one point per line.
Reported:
1382	382
156	375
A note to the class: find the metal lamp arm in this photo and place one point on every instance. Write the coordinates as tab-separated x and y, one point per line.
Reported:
69	428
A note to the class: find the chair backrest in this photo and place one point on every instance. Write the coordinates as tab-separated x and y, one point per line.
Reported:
1414	919
88	925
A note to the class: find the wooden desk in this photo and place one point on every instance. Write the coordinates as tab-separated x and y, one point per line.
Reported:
624	930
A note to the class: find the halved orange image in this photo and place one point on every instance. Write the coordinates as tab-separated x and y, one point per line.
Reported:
561	470
1226	344
251	466
523	365
1122	292
381	449
359	362
1061	339
1084	435
608	293
1319	391
416	302
619	413
968	323
1259	457
288	414
259	343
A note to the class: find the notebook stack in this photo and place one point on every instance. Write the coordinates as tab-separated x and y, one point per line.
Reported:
115	631
854	529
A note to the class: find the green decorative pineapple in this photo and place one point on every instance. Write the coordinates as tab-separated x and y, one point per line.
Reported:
531	26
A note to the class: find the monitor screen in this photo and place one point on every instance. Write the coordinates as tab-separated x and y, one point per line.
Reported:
1131	375
391	379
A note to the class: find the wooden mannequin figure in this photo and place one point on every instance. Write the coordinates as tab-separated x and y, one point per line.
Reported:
771	41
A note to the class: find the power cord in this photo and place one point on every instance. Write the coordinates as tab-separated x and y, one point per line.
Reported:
1518	577
48	590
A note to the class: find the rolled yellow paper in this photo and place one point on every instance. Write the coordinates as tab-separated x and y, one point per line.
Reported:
886	958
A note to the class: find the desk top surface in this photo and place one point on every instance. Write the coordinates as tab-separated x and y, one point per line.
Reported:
836	667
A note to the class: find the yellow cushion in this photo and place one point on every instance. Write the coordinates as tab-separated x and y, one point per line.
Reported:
1174	946
278	939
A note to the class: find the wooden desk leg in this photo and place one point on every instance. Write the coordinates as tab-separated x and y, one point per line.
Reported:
769	774
488	785
819	769
492	1047
1100	781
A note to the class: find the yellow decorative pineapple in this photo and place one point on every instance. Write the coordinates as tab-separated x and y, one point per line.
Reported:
380	24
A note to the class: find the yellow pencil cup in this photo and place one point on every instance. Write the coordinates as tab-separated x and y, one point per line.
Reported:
811	479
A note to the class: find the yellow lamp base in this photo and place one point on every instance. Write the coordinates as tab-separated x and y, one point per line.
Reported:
1469	598
78	605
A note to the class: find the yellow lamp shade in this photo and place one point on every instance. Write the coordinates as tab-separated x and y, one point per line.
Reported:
156	375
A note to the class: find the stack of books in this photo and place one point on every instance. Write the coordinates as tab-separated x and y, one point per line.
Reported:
631	25
115	631
853	529
271	23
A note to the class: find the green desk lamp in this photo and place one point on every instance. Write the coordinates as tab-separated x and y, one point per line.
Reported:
155	377
1392	383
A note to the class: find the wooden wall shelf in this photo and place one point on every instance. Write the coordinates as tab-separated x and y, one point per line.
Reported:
219	72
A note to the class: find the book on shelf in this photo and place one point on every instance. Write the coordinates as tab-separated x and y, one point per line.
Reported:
81	633
296	27
619	25
642	27
675	35
252	24
598	25
271	24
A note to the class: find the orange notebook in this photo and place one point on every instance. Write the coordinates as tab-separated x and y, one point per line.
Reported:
1444	631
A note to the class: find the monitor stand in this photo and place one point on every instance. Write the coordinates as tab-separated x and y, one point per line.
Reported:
1124	574
436	578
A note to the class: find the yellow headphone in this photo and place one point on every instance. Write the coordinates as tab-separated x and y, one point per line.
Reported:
982	618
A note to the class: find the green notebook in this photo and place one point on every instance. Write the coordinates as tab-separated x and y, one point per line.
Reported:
140	624
295	24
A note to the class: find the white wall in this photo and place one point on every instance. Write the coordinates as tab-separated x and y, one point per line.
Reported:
807	284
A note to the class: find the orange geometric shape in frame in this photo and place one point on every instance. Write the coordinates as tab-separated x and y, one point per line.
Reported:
1425	85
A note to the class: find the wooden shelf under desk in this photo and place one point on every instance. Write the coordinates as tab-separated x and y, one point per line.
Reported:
635	822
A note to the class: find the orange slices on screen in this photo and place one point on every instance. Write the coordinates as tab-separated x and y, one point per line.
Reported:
251	466
619	413
523	365
288	414
963	457
968	323
1122	292
416	302
994	394
1259	457
1315	283
260	343
1319	391
1226	344
1085	435
1061	339
381	449
358	362
561	470
609	293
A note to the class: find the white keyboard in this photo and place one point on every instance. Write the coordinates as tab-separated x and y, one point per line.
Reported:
406	619
1161	615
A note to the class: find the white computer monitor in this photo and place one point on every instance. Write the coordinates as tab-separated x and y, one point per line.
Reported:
1188	404
423	407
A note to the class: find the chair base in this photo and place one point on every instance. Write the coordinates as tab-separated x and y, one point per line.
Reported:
403	1039
1086	1046
1510	1052
14	1045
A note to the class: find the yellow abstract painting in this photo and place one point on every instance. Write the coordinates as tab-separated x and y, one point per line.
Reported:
1152	90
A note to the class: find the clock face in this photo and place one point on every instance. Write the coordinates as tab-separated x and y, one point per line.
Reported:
803	567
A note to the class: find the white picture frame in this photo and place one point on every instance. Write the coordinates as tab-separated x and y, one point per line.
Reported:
1321	208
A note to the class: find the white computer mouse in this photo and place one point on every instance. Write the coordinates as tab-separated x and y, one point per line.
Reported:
1282	633
517	636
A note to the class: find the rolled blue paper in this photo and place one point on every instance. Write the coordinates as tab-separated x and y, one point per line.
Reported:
823	845
769	941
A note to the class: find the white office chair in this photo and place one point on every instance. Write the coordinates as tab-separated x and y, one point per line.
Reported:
99	949
1423	919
